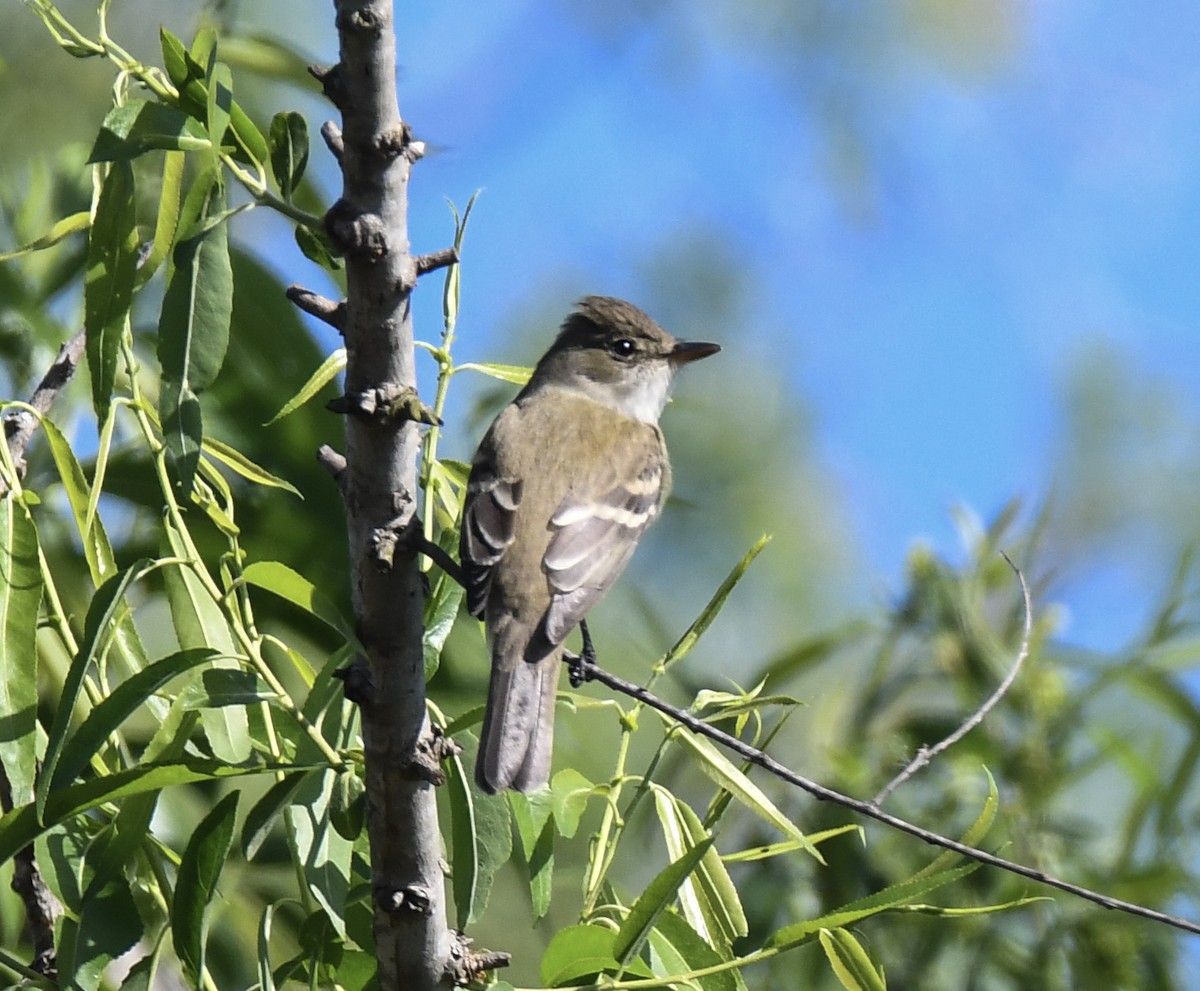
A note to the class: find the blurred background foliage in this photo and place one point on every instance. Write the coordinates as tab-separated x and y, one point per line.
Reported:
1094	748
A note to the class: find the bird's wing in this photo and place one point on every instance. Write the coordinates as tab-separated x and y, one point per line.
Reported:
594	534
488	528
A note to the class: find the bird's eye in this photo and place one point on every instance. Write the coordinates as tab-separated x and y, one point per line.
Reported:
623	347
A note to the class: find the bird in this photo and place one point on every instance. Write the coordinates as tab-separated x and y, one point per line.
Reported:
562	487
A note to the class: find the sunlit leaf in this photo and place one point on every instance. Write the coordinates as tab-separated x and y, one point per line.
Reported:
64	228
20	599
850	962
325	374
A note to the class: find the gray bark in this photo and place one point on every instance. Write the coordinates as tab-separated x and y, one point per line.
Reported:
369	224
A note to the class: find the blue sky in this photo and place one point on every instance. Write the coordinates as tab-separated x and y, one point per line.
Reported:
1020	197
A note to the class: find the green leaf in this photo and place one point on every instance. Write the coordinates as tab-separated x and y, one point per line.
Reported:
62	229
20	600
266	812
21	826
288	141
96	547
464	852
347	806
197	884
97	628
576	953
318	249
108	288
295	588
167	222
709	899
722	771
571	791
193	327
108	925
236	460
535	827
850	962
117	706
139	126
653	901
681	949
481	834
893	897
441	610
683	646
199	622
219	103
181	67
218	687
324	853
317	381
516	374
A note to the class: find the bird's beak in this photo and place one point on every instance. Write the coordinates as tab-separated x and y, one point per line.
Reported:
687	351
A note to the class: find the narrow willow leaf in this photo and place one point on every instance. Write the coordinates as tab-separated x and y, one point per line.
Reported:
193	328
721	770
464	853
96	547
62	229
21	826
576	953
199	622
975	832
652	902
196	885
139	126
97	628
220	100
325	374
108	926
20	599
516	374
287	584
266	812
715	887
769	850
287	139
850	962
117	706
219	687
108	288
441	610
453	284
167	221
683	646
893	897
681	949
677	845
236	460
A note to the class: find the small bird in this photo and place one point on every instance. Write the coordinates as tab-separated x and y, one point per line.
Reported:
562	487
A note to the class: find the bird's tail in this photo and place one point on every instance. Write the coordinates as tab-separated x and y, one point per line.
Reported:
518	726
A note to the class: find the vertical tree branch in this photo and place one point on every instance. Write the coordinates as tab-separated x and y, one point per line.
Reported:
369	224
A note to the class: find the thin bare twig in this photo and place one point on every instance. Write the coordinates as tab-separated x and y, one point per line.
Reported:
590	672
20	426
925	754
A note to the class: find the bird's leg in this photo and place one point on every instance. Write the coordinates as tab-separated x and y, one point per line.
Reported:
580	666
